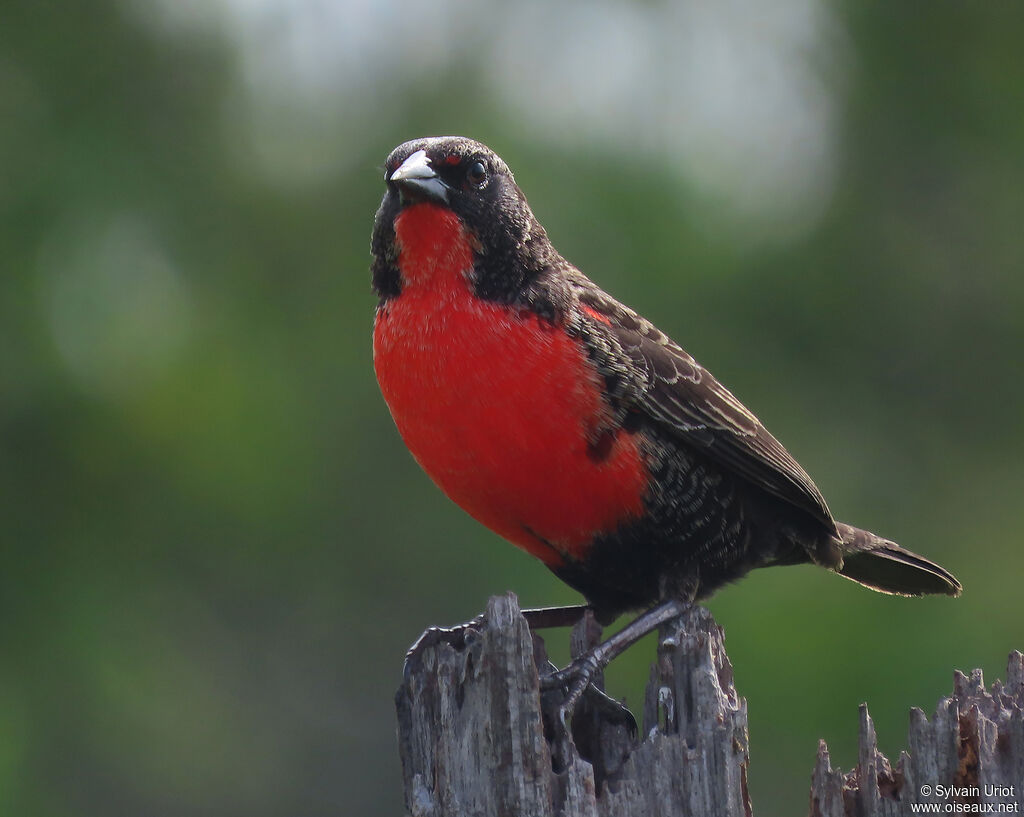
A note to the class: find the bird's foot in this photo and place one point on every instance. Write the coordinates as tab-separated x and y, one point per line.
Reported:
580	719
457	636
537	618
576	680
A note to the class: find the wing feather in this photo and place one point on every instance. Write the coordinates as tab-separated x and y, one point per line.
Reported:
676	392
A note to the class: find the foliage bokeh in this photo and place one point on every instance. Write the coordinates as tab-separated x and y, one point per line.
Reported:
215	547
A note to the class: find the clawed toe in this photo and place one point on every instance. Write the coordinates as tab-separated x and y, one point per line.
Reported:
578	714
432	636
576	682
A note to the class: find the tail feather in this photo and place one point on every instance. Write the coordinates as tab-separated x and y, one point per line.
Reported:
884	566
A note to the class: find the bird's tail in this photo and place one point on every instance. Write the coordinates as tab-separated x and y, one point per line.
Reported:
884	566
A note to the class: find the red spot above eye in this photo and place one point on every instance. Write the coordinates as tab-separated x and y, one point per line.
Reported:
452	159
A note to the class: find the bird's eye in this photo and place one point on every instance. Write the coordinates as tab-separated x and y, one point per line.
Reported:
476	173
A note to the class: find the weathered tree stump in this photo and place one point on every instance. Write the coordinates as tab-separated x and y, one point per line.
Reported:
472	736
968	759
476	737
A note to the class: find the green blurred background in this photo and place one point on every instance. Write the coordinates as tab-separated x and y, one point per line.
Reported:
215	547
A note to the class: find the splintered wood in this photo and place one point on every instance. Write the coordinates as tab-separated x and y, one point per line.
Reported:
478	737
472	736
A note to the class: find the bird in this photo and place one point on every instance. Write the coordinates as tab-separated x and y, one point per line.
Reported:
571	426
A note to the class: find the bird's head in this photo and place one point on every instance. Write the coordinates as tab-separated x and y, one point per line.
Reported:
455	189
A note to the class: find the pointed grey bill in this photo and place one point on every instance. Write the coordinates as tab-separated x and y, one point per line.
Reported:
416	176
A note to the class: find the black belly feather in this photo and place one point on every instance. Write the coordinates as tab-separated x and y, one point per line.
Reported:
703	527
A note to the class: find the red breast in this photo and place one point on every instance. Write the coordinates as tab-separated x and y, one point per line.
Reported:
496	404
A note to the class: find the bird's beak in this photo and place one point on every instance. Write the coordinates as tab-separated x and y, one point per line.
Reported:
416	179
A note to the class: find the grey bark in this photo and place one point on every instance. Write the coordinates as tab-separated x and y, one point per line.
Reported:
476	736
471	728
968	759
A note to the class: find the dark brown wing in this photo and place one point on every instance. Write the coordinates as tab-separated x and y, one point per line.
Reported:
651	373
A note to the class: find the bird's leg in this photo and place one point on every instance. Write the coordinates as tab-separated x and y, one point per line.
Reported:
576	677
585	636
542	618
537	618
